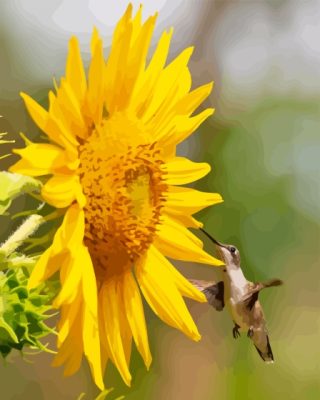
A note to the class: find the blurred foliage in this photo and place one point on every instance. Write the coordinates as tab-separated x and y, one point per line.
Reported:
4	141
101	396
265	165
257	170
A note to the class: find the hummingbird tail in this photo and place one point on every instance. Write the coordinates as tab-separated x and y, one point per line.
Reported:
266	352
273	282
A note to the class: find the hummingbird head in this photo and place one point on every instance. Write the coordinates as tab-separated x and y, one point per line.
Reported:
228	253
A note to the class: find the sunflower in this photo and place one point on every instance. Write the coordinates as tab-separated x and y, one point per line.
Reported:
112	169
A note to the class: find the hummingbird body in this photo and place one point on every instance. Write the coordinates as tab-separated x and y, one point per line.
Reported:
246	319
240	297
235	287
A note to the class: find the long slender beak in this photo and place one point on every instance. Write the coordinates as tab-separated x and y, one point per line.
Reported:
211	238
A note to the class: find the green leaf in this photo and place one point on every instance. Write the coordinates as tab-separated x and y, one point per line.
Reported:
12	185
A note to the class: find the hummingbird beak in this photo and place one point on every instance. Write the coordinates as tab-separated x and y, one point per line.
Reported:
219	246
211	238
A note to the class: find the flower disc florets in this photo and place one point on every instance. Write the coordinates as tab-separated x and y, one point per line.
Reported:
124	192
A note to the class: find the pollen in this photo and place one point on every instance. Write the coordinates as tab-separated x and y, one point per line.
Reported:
125	193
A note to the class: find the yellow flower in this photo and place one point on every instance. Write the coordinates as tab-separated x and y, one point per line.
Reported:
114	170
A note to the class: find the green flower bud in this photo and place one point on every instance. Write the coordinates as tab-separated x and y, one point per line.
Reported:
13	185
22	312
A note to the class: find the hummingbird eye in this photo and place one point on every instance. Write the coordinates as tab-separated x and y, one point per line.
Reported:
232	249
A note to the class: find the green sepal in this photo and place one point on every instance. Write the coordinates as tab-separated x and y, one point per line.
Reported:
9	330
23	312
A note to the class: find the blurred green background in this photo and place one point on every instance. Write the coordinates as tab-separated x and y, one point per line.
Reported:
263	144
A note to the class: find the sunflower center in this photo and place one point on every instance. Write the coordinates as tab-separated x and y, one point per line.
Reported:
125	194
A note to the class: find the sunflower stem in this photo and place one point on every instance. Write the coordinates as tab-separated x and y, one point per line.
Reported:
28	227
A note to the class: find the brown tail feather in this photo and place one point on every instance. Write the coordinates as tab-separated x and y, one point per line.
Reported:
272	282
266	355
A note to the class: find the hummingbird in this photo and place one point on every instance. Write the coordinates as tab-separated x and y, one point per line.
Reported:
241	298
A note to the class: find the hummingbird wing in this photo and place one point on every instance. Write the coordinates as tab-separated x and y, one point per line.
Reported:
254	288
213	291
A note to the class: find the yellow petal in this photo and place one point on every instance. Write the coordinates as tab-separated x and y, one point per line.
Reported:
144	88
91	339
95	94
104	348
68	236
80	269
182	127
49	124
47	265
75	74
158	288
38	113
136	59
114	320
40	159
95	40
91	346
160	121
71	350
180	170
117	61
183	285
68	313
166	85
71	110
89	284
70	278
190	102
62	190
190	201
187	220
136	24
72	228
177	242
58	124
135	315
